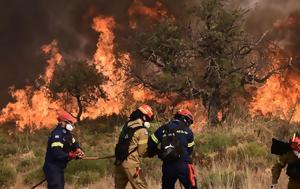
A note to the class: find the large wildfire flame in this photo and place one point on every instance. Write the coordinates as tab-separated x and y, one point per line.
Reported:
280	95
33	106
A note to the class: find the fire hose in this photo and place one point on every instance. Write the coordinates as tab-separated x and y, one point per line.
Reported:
84	158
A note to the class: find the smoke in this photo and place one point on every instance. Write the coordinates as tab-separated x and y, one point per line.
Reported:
263	13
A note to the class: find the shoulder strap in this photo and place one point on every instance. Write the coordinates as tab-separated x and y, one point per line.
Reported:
137	128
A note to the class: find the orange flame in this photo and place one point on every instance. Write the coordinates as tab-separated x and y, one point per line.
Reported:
139	9
280	95
55	59
34	107
105	61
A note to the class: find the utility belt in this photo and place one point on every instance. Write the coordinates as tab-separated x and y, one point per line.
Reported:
293	170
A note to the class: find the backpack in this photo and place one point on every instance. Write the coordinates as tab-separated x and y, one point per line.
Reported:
171	148
122	147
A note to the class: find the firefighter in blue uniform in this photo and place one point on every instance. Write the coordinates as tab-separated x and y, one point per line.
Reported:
181	168
62	148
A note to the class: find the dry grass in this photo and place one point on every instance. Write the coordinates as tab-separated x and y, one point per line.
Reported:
232	156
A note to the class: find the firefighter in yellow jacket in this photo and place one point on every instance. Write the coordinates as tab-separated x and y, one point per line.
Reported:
291	159
132	145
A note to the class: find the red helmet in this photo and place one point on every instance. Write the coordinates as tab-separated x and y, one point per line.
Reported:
186	113
295	142
65	116
147	110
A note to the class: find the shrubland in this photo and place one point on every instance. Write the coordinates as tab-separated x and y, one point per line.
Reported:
235	154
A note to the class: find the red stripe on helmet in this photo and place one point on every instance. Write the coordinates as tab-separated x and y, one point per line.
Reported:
147	110
185	112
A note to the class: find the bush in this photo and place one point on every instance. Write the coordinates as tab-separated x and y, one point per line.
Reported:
213	142
86	178
77	171
254	149
27	164
7	175
226	179
8	149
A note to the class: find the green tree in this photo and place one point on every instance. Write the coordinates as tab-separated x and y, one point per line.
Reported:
79	79
206	56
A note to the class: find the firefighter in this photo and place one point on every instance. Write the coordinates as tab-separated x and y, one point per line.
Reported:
62	147
173	143
131	146
291	158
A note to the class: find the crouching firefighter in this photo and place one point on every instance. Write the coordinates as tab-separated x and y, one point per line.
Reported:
62	148
289	154
131	146
173	143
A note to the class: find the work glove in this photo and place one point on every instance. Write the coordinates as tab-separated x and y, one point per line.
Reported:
272	186
72	155
80	153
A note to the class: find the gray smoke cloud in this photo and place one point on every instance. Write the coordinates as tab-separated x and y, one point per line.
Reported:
263	13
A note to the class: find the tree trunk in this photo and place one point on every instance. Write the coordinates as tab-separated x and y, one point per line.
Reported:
80	108
214	108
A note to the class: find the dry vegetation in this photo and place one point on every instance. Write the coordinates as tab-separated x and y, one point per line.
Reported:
233	155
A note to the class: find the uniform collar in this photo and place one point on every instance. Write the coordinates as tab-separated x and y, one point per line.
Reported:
61	128
178	122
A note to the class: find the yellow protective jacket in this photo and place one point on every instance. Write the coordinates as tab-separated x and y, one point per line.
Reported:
139	140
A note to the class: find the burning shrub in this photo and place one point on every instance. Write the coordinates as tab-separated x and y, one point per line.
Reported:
209	61
79	79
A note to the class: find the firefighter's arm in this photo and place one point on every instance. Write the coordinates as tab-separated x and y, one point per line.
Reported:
153	142
76	148
191	142
276	169
75	144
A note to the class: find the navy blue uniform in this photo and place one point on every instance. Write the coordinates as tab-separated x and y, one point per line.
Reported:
60	143
176	169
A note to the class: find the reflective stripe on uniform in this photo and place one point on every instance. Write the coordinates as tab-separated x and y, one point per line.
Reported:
143	141
57	144
153	137
191	144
